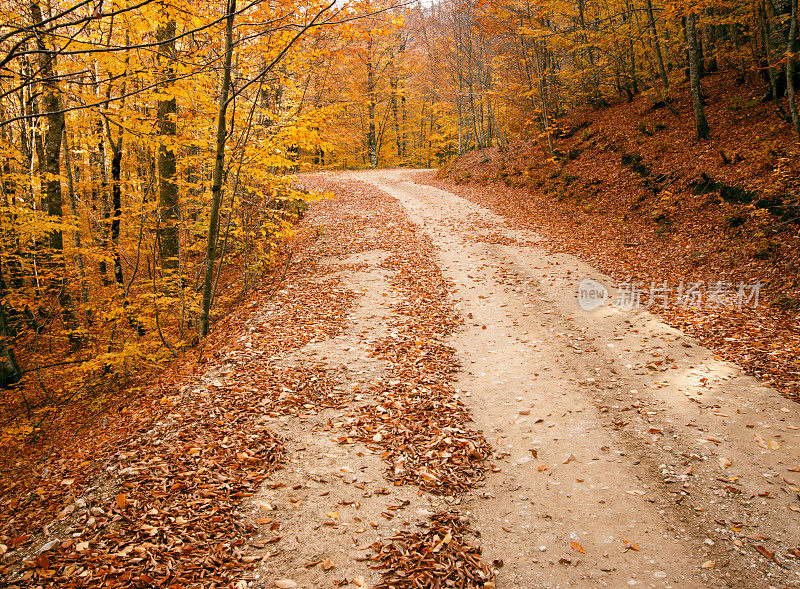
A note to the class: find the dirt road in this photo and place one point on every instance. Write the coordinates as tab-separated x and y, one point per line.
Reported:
624	453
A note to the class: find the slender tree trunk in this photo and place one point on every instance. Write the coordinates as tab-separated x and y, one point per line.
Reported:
694	78
489	116
116	202
460	128
393	83
709	45
430	133
76	232
657	45
218	173
545	104
372	148
10	188
10	372
51	107
167	128
791	54
98	162
404	113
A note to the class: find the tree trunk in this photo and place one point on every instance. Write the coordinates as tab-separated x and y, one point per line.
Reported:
76	232
217	176
709	44
51	107
393	83
791	51
116	202
405	122
98	163
10	372
694	78
167	128
372	148
657	45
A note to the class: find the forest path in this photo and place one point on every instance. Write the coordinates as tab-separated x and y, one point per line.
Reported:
619	436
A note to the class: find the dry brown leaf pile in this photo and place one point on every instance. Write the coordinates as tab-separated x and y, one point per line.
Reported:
446	553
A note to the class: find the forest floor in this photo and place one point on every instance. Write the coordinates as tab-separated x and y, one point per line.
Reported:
423	397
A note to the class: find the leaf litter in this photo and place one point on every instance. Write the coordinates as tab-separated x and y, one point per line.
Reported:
153	496
415	420
152	499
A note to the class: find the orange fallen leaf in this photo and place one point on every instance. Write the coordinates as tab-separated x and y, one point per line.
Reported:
577	547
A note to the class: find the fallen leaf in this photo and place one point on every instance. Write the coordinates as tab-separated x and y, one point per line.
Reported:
49	546
577	547
425	474
285	584
764	552
724	462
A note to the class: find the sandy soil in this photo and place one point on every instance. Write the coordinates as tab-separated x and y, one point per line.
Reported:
628	455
